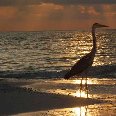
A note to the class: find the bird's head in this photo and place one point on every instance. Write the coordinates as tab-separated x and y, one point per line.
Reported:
97	25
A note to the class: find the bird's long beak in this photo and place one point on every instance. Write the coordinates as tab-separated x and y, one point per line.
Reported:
103	25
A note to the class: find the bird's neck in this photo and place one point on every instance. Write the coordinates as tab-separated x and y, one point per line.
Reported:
94	39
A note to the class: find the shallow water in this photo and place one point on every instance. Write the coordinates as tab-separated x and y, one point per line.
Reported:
100	89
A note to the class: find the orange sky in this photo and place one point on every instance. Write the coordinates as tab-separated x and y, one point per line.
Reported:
51	16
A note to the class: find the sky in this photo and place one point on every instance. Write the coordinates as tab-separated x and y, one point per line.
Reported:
37	15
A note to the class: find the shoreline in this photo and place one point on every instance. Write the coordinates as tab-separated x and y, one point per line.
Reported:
15	99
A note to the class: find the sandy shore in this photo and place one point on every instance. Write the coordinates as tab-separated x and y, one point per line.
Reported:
16	99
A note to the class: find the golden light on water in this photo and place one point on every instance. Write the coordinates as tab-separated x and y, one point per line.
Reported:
80	94
80	111
89	81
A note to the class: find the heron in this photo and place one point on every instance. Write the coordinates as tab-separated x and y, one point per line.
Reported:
86	61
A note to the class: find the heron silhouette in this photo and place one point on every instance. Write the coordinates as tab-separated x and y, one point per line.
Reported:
86	61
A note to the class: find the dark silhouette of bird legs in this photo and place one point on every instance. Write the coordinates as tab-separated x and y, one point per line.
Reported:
85	86
81	87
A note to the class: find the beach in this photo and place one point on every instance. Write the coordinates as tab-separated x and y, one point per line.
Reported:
55	97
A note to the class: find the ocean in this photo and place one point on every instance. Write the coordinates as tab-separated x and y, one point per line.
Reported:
50	54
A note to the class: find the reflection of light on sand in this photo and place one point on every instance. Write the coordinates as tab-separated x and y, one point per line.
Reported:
80	111
80	94
89	81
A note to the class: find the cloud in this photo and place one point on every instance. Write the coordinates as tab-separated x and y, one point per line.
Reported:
54	14
74	2
19	2
60	2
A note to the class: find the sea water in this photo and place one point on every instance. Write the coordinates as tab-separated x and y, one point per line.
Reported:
49	54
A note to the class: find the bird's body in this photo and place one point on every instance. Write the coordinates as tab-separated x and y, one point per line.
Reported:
83	64
86	61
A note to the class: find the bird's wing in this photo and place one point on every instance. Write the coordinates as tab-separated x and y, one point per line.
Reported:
80	66
83	63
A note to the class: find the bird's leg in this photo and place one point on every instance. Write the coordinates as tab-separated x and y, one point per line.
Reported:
86	87
81	86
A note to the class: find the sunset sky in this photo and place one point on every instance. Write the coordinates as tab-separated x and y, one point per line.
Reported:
36	15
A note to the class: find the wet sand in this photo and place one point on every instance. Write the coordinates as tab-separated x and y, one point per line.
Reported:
31	97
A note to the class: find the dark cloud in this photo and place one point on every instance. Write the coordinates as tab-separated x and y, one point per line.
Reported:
73	2
19	2
62	2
